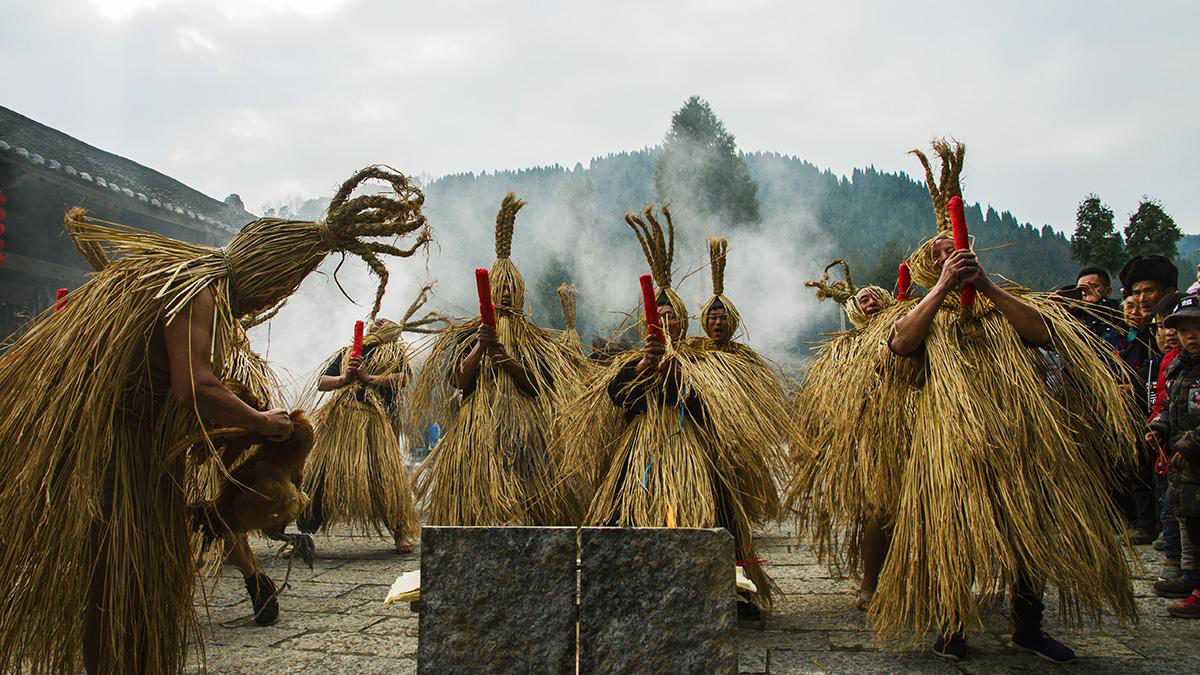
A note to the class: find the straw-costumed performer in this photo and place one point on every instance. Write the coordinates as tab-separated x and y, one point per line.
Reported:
251	371
738	387
848	470
492	465
655	451
568	297
356	473
93	479
1014	438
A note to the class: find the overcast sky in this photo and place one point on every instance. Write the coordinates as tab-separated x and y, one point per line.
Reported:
271	98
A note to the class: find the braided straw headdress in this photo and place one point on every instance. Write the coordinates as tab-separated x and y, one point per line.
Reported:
382	331
844	293
717	249
270	252
921	263
659	249
504	272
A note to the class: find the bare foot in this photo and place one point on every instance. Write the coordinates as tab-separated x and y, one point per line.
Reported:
402	546
863	600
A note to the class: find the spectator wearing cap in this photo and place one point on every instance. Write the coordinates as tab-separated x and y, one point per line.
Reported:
1181	430
1177	578
1146	280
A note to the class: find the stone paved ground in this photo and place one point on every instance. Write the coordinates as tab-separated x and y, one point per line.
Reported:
333	620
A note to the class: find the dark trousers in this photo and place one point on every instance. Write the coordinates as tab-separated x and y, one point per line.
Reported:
1145	500
1027	608
314	516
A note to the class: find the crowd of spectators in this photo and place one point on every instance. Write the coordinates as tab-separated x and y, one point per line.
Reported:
1155	333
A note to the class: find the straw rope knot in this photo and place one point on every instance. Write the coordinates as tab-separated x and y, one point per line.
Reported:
327	234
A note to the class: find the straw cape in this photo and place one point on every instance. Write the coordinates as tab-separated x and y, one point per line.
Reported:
357	463
680	446
493	466
93	478
752	425
1012	453
849	469
567	298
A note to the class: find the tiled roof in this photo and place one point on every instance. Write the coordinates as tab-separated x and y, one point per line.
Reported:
50	149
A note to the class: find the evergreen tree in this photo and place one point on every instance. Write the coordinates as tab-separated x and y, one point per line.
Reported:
891	254
1151	231
700	168
548	311
1096	241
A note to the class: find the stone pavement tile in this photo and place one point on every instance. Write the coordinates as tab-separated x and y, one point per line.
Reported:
361	644
317	605
818	585
802	571
375	607
395	627
381	574
247	634
250	661
375	592
803	641
858	640
786	661
800	612
752	659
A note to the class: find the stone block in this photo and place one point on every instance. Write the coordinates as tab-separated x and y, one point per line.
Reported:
657	600
497	600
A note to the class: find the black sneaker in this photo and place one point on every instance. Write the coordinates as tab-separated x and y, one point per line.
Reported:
1044	646
953	648
1179	587
262	597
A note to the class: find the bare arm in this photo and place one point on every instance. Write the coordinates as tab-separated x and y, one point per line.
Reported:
193	383
468	369
332	382
1026	320
911	330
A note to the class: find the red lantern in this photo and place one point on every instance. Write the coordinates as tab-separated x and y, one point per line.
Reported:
356	350
483	285
962	241
653	323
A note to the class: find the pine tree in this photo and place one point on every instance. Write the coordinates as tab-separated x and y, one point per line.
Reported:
545	292
701	170
1096	241
1151	231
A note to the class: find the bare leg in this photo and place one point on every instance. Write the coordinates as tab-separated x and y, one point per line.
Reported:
93	614
241	555
876	539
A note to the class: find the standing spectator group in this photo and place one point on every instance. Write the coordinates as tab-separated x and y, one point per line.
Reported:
1156	335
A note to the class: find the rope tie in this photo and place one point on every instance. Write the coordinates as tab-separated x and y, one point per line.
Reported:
327	234
233	286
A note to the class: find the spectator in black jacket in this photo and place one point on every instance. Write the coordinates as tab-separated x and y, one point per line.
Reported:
1146	280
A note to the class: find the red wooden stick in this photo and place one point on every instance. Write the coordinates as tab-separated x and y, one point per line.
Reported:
651	305
903	282
60	299
487	311
356	350
962	242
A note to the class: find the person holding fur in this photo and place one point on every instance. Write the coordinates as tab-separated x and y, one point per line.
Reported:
493	466
1015	436
93	474
356	473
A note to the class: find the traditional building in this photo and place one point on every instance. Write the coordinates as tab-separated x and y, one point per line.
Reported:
44	172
